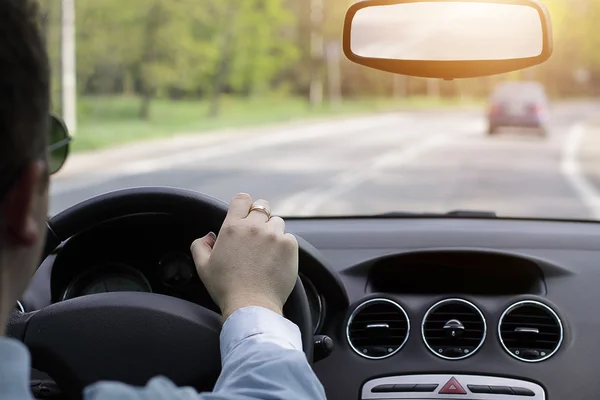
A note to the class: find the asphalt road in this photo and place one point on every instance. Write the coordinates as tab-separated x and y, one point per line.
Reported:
405	161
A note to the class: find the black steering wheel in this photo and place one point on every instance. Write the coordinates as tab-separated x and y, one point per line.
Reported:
132	337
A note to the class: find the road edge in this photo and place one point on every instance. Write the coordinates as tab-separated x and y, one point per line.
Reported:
571	169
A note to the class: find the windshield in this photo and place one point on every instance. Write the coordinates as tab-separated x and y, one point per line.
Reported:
228	96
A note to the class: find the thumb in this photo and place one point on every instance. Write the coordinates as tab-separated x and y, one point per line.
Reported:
202	249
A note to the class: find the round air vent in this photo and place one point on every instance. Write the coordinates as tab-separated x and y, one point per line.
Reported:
530	331
378	328
453	329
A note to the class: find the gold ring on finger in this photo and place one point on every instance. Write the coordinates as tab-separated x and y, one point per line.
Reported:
262	209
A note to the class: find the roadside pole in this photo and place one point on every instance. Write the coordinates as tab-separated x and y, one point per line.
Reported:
316	52
68	65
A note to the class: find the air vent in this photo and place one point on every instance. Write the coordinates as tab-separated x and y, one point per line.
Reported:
530	331
378	328
453	329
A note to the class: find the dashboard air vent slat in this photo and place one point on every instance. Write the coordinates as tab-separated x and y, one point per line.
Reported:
530	331
378	328
453	329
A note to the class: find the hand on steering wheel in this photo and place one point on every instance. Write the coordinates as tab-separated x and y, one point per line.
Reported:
252	263
132	337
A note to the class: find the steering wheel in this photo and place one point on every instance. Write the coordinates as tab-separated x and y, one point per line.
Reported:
128	336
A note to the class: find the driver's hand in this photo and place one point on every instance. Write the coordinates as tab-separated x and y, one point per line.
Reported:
253	262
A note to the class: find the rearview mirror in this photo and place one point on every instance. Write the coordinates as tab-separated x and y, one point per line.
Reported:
59	143
448	38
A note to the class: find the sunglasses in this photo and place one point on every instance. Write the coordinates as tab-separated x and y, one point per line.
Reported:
58	151
59	144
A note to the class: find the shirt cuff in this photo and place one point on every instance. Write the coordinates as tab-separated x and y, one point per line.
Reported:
260	324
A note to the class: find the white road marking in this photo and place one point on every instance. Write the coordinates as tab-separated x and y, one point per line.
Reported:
310	201
348	181
570	168
290	205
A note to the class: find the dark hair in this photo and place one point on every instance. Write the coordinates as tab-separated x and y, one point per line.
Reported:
24	89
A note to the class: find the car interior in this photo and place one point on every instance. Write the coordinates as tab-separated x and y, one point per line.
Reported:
464	305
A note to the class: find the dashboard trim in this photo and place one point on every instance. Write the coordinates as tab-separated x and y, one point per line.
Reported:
440	380
360	307
546	307
445	301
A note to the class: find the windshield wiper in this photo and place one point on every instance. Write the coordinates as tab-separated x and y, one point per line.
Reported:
453	213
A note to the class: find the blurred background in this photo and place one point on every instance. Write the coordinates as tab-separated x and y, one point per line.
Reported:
199	64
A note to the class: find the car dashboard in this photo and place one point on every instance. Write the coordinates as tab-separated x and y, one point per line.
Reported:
415	308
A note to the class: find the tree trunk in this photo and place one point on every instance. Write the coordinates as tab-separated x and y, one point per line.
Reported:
400	86
148	57
433	88
334	74
145	106
128	82
215	102
223	64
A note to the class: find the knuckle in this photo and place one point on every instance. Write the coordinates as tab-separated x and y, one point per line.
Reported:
229	229
242	196
289	242
272	237
253	229
278	220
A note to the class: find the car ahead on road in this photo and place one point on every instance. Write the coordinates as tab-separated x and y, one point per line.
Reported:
393	306
520	105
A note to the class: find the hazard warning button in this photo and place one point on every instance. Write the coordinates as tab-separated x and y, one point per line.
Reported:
452	387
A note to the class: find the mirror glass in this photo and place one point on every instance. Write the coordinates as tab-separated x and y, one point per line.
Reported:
58	144
447	31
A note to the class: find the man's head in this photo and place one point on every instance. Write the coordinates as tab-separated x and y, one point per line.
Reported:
24	119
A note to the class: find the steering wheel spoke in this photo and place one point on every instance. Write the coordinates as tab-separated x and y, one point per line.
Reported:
17	324
125	336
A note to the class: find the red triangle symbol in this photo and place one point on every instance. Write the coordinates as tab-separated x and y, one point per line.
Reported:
452	387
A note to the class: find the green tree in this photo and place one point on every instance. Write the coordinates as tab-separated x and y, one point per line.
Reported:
263	45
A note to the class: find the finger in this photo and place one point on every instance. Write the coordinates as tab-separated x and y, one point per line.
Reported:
210	239
276	224
239	207
260	215
291	242
202	249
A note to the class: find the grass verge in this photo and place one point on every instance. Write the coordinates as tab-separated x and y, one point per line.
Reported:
110	121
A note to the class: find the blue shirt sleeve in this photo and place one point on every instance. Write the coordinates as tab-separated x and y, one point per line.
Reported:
262	358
